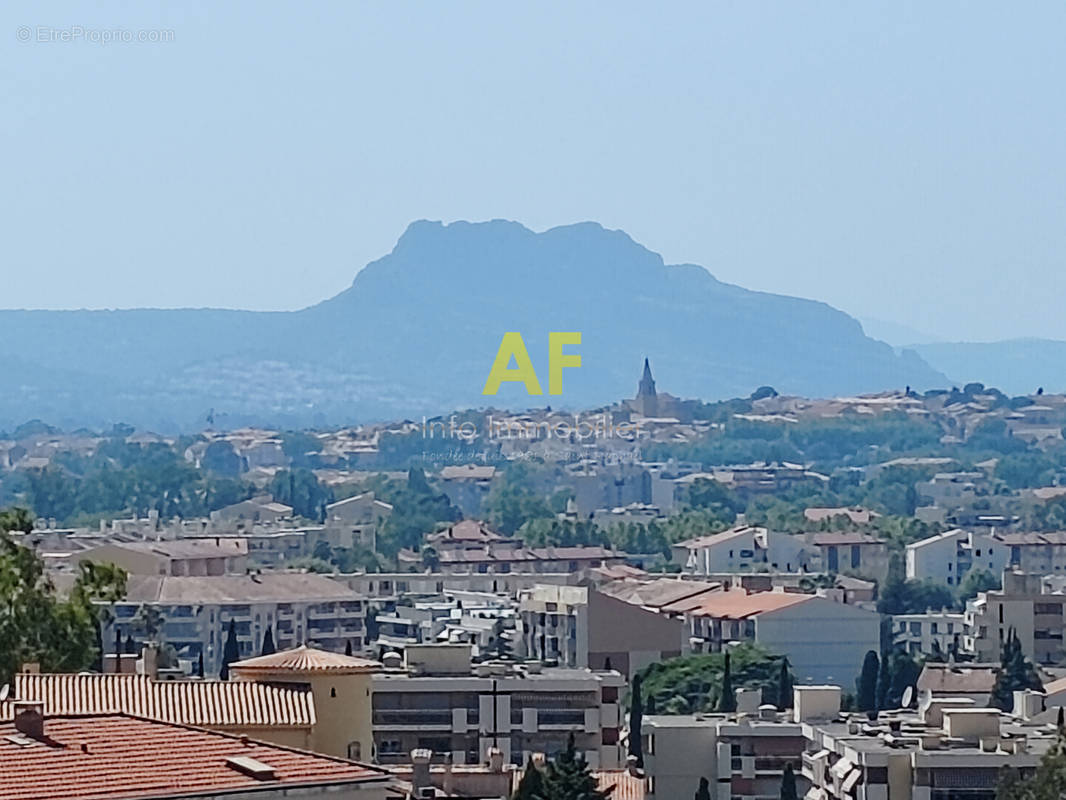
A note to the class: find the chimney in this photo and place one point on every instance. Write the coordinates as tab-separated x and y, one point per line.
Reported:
420	759
29	718
150	661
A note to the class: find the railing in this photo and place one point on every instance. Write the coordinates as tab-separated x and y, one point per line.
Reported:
561	717
405	716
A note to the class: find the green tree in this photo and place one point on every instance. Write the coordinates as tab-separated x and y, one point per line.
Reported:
727	700
867	694
636	716
531	785
788	784
977	581
704	790
784	686
36	624
268	647
231	651
501	644
1015	673
1047	783
568	778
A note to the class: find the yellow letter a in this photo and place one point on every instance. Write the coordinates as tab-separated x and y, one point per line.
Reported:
512	345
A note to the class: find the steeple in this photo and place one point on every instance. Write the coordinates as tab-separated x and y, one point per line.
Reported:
646	387
646	403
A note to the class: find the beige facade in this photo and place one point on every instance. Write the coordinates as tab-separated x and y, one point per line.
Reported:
1024	606
459	711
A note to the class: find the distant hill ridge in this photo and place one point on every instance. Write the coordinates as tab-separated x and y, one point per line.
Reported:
418	329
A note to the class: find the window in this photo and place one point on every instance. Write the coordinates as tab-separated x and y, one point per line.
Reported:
933	628
950	581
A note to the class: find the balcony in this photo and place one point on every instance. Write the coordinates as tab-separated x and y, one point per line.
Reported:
414	718
569	718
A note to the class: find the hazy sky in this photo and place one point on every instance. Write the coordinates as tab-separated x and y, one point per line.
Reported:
902	161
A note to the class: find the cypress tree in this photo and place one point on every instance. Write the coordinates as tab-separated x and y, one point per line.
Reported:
268	643
118	644
531	786
788	784
704	792
348	647
636	715
1060	723
727	701
231	651
1015	673
784	686
200	664
884	681
568	778
867	696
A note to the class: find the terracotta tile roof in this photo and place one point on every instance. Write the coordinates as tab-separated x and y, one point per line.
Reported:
108	757
214	704
304	659
466	531
626	785
946	679
736	603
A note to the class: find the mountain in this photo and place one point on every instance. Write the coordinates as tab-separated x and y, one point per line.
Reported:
417	332
1015	366
894	333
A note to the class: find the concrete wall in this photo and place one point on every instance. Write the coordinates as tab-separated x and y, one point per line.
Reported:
825	641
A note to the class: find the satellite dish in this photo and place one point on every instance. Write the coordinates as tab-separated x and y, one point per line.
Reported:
5	690
908	696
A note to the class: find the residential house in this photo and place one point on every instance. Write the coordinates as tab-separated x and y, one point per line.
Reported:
744	548
936	632
467	486
847	551
1025	606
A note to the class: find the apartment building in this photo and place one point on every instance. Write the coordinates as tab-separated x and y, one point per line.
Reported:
467	486
355	521
175	557
740	549
825	640
1041	553
926	634
508	558
947	750
947	557
577	626
196	611
438	700
742	755
1025	604
846	551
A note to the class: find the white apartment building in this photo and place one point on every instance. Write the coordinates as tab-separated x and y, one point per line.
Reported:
947	557
740	549
299	608
439	701
923	634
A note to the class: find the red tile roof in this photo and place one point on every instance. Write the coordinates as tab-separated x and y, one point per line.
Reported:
108	757
214	704
305	660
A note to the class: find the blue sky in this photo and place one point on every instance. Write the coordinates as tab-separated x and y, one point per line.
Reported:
902	161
